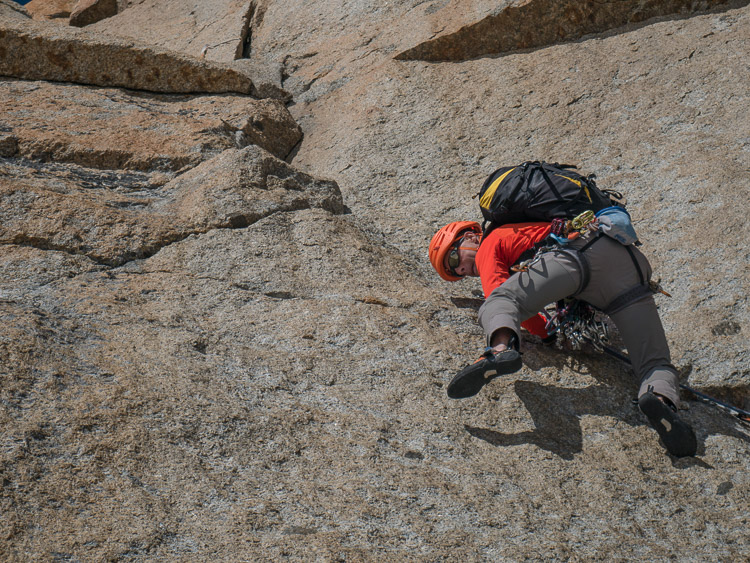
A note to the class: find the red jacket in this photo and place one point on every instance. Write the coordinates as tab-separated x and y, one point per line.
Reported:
503	247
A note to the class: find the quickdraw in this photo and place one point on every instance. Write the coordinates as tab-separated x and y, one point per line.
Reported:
578	323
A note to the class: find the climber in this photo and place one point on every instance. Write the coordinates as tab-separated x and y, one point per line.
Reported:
593	268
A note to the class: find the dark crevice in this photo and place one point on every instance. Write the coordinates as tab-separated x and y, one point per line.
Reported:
295	150
467	302
45	245
291	64
286	72
726	328
280	295
373	301
246	35
233	221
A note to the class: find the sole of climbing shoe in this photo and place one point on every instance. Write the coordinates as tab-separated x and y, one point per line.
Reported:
677	436
470	380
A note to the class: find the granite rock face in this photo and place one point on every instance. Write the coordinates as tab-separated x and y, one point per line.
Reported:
645	121
218	30
222	340
121	222
51	9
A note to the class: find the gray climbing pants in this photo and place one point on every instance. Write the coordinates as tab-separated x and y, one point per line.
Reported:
558	274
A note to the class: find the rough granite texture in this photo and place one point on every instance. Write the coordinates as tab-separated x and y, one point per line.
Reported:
58	10
657	113
117	129
114	226
212	352
42	50
216	30
538	23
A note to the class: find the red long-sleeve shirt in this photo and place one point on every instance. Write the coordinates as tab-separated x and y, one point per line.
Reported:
503	247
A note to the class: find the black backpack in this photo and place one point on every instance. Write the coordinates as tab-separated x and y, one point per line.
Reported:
539	191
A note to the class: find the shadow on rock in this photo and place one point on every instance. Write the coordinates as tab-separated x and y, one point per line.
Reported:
556	412
710	421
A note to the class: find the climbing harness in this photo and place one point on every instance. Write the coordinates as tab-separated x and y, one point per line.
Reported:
592	225
561	230
578	322
524	265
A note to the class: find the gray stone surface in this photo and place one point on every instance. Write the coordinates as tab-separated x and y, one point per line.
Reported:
245	359
114	226
11	9
216	30
56	10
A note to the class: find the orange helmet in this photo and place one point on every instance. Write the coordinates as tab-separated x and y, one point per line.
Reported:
442	242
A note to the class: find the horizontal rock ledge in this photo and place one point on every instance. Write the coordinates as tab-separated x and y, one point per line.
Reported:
540	23
233	190
34	50
106	128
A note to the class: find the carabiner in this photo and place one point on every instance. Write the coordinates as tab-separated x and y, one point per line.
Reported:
582	220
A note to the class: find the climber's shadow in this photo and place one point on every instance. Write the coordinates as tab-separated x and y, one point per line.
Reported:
556	413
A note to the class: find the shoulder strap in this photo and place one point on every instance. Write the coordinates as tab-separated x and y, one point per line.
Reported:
633	294
637	266
588	245
624	299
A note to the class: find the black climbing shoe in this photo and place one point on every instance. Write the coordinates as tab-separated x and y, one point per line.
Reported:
676	434
470	380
